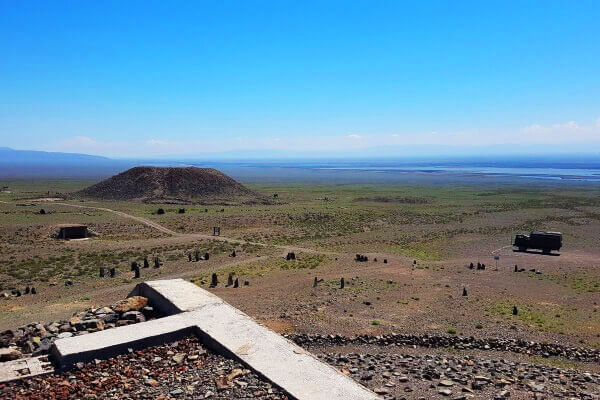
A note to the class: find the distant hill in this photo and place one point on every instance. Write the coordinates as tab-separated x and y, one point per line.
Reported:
156	184
42	164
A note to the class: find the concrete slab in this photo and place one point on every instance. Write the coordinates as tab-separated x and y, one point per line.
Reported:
24	368
105	344
175	296
224	329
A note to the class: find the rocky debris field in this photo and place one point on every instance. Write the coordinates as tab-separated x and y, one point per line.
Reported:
179	370
455	342
36	338
397	376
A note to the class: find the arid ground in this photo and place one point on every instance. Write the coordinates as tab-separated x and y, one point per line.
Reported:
428	234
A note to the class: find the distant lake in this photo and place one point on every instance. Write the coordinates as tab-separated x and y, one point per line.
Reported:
513	170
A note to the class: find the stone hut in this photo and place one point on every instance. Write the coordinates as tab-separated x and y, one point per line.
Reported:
72	231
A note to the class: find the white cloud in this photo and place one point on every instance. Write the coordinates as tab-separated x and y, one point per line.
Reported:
156	142
353	136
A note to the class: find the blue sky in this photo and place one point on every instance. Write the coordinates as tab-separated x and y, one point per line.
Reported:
190	78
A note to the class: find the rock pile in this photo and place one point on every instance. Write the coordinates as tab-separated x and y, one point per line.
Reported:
456	342
36	338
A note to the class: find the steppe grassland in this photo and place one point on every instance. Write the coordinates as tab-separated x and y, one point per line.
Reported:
442	227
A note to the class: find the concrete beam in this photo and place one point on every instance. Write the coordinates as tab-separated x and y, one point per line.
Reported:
109	343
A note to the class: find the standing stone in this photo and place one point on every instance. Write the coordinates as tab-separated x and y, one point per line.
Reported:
471	266
42	212
156	262
516	268
26	289
101	272
515	310
233	254
230	279
197	256
385	260
236	284
214	281
18	293
134	265
246	283
316	281
375	259
414	262
206	256
189	257
113	272
342	283
146	263
478	265
464	291
33	291
137	272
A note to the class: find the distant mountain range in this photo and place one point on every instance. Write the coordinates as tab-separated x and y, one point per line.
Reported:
42	164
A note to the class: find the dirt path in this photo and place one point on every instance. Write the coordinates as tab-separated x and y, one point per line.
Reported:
168	231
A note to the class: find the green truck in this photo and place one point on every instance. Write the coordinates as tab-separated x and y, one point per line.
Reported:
545	241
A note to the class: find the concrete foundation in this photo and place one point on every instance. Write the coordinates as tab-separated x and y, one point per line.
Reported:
225	330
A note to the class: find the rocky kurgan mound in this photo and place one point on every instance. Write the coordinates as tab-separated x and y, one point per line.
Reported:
154	184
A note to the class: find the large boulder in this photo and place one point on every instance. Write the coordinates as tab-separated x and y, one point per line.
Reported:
135	303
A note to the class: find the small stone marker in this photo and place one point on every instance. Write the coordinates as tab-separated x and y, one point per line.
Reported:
113	272
246	283
230	279
464	291
236	284
471	266
189	257
181	211
342	283
214	280
156	262
146	263
516	268
42	212
206	256
316	281
137	272
26	289
375	259
233	254
216	231
101	274
385	260
33	291
134	265
197	256
515	310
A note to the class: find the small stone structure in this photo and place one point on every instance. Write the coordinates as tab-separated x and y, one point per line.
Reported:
72	231
216	231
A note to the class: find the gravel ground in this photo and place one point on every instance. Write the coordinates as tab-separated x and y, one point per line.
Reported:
185	370
180	370
397	376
